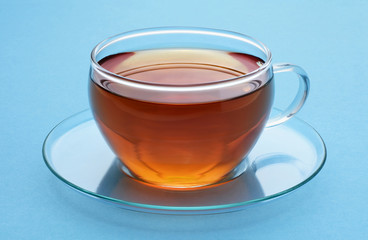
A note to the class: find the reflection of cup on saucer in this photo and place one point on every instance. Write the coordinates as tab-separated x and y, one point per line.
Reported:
119	186
182	107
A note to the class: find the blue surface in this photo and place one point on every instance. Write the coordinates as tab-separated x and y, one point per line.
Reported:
44	61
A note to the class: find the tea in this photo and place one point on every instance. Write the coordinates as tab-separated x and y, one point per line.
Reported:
178	143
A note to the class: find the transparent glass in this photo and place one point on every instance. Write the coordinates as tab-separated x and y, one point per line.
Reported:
77	154
172	143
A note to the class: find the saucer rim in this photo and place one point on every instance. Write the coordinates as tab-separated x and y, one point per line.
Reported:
162	209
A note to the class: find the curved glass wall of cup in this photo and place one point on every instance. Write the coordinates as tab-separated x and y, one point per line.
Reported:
183	38
285	158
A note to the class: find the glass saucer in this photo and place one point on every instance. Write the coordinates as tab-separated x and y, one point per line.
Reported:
286	157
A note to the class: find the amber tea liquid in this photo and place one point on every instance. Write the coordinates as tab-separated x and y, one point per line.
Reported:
178	144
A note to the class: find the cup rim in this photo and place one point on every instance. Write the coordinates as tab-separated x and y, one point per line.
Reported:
180	29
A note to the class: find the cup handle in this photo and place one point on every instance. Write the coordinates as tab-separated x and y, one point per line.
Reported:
300	97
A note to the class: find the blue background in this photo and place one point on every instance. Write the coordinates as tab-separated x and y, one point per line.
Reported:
44	62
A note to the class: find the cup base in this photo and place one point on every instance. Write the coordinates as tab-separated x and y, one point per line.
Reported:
233	174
